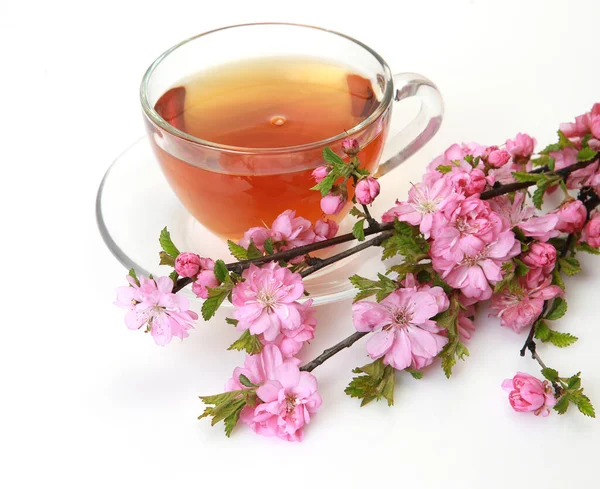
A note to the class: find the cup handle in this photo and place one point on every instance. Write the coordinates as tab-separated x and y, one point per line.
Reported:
422	128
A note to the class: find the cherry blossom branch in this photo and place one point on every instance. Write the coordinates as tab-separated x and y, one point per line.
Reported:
329	352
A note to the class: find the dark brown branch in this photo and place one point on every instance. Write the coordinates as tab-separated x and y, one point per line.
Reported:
345	343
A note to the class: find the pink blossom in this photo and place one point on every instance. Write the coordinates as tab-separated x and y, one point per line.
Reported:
256	235
595	125
367	190
579	128
205	279
591	231
350	146
571	216
465	227
325	229
466	325
265	303
187	264
289	399
519	310
541	228
474	273
423	202
291	341
469	182
319	173
567	157
332	204
528	394
290	231
257	368
498	158
504	174
521	148
152	304
404	334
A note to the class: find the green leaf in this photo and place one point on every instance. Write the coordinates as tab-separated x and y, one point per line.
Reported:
407	242
383	287
585	407
133	274
416	374
226	407
564	140
550	374
232	321
570	265
574	382
444	169
253	251
562	405
448	361
216	297
332	158
356	212
245	381
520	176
557	279
166	259
586	154
174	276
269	246
325	185
521	269
562	340
166	244
221	271
376	382
557	310
544	161
248	342
585	140
542	331
237	251
363	294
588	249
358	230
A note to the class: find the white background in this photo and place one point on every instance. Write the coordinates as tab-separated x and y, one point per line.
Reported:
88	403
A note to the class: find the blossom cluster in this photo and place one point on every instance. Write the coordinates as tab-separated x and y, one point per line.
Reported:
467	233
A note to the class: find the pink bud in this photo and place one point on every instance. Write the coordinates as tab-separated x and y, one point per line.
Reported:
366	190
571	217
325	229
205	279
498	158
591	232
332	203
528	394
187	264
319	173
488	151
350	146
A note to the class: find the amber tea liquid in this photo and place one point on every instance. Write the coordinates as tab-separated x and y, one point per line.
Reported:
264	103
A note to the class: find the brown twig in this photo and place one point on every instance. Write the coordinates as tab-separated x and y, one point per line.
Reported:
345	343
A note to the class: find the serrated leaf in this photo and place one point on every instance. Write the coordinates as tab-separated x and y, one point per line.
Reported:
569	265
443	169
416	374
363	294
588	249
586	154
248	342
585	407
356	212
448	362
237	251
375	382
166	244
325	185
557	279
562	340
133	274
358	230
332	157
538	196
362	283
551	148
165	259
210	305
221	271
544	160
268	244
542	332
564	140
562	405
216	399
550	374
523	177
557	310
574	382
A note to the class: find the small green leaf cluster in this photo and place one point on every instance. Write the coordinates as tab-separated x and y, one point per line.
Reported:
375	382
570	391
228	406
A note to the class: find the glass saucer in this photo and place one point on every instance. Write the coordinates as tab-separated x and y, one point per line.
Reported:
135	202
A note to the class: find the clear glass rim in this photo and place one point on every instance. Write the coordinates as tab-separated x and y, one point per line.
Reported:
156	119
